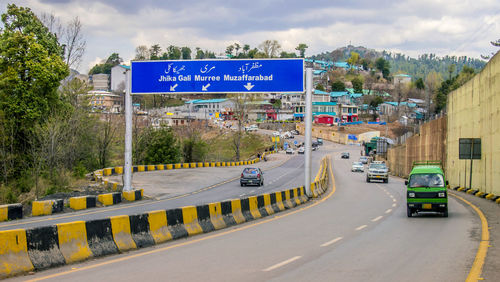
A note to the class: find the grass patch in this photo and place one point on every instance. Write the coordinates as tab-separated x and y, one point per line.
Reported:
221	146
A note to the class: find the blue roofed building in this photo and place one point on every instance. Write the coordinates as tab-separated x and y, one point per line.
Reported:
324	112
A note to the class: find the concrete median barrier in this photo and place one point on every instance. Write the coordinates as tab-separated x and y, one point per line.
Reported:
109	199
14	256
65	243
47	207
83	202
11	212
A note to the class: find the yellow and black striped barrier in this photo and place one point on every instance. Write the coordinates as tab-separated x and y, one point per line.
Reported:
83	202
11	212
47	207
477	193
25	250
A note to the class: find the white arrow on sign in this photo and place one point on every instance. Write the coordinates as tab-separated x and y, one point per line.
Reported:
205	87
172	88
248	86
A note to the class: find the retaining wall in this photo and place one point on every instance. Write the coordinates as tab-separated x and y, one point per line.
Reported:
429	144
474	112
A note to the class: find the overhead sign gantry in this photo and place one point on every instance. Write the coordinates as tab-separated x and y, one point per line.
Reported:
216	76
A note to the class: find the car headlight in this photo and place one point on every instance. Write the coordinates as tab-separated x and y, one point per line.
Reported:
441	194
411	195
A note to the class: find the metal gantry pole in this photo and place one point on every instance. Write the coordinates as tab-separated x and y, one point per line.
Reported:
308	127
127	168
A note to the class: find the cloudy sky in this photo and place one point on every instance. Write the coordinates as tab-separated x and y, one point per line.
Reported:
412	27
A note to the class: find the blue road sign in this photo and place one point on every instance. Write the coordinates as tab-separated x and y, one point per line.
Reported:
218	76
295	142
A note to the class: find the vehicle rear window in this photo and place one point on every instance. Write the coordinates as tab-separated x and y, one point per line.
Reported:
426	180
250	170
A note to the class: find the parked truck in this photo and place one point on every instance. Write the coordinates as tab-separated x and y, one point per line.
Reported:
426	188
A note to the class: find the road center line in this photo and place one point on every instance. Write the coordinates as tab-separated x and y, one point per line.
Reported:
393	205
331	242
388	211
377	218
361	227
282	263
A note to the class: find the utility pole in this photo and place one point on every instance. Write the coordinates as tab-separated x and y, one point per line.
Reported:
127	168
308	131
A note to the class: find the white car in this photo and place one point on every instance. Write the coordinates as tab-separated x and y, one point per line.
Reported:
290	151
357	166
301	150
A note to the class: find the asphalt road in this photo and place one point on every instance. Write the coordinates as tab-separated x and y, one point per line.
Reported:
357	232
169	189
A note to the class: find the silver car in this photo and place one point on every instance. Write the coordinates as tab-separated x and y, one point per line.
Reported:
357	166
252	176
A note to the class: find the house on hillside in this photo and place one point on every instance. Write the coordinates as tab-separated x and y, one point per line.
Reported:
291	100
99	81
118	76
222	106
340	97
105	101
321	96
324	112
348	113
401	79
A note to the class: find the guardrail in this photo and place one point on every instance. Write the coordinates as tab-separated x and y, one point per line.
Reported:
25	250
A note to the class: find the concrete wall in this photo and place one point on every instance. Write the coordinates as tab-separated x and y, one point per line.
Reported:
474	112
430	144
325	133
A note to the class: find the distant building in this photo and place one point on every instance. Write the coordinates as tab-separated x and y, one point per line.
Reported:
324	112
100	81
348	113
105	101
401	79
118	77
321	96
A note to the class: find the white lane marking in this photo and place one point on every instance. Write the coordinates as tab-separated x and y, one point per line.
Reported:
393	205
361	227
377	218
388	211
282	263
331	242
242	195
393	200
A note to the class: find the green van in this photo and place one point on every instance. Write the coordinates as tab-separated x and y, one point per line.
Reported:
426	188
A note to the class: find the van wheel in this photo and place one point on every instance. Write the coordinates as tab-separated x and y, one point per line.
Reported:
409	212
445	213
242	184
386	180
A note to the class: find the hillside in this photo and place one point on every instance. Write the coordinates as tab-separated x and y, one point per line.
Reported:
400	63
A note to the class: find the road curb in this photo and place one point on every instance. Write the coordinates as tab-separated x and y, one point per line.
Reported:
477	193
66	243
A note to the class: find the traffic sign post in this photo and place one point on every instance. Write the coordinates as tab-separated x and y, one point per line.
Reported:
211	76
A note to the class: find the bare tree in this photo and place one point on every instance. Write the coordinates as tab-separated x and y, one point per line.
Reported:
242	106
52	23
74	43
271	48
432	83
141	53
104	139
70	36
